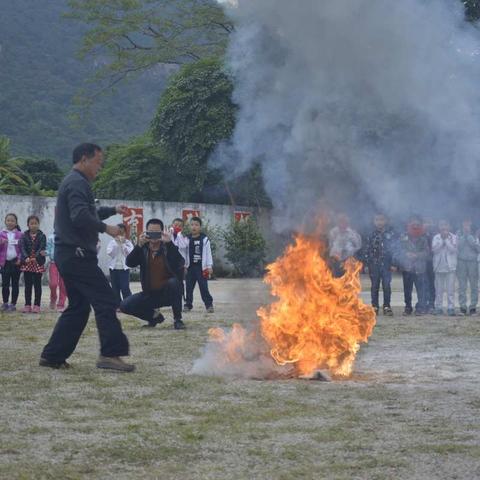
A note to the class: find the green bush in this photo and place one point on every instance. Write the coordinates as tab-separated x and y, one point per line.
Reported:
245	247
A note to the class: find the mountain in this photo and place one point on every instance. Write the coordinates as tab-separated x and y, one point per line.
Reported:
40	76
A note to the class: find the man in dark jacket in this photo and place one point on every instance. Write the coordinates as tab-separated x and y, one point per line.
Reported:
77	225
161	275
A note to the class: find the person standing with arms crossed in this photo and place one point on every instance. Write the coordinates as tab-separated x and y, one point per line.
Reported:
77	225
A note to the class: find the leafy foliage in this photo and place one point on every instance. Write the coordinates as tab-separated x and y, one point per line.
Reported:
136	35
245	247
45	171
195	113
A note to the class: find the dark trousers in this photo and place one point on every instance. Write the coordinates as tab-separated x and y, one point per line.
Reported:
120	280
419	280
33	280
430	286
143	304
86	285
10	275
194	275
380	274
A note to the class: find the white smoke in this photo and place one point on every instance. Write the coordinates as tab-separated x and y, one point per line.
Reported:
356	104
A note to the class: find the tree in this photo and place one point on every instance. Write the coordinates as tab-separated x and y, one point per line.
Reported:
472	10
13	179
245	247
136	35
195	113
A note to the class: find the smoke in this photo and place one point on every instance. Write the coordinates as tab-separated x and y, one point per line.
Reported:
356	105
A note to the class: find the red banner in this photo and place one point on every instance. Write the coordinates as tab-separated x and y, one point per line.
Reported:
239	216
188	214
133	222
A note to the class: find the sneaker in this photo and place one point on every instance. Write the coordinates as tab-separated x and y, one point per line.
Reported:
451	313
210	309
27	309
388	311
407	312
36	309
179	325
187	308
4	307
47	363
463	311
52	306
376	310
114	363
12	308
473	311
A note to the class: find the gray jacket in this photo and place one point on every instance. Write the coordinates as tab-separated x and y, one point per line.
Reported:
468	247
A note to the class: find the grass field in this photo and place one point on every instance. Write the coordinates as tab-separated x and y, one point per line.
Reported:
410	411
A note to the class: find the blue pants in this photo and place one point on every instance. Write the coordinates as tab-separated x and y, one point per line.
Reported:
419	280
380	273
120	280
194	275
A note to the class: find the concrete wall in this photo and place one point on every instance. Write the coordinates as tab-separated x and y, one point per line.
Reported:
216	215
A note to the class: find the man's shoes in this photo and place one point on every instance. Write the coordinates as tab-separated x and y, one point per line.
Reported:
179	325
407	312
387	311
114	363
187	308
473	311
149	325
57	365
158	318
210	309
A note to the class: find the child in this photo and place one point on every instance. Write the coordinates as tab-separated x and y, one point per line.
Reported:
33	245
467	267
55	281
444	248
344	242
378	258
411	258
10	261
178	238
199	265
118	249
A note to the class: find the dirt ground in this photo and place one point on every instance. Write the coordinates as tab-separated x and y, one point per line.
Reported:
411	410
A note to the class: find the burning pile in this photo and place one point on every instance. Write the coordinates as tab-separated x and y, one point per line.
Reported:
317	322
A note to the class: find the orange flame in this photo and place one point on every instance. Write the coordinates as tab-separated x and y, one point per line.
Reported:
317	322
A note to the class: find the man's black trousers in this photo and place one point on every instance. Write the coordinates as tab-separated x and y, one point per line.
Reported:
86	285
143	304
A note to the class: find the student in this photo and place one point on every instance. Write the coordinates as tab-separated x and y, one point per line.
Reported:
467	267
118	250
444	248
33	246
55	281
180	240
378	258
411	258
344	242
10	261
199	265
161	274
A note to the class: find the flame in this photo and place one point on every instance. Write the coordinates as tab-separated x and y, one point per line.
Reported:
318	321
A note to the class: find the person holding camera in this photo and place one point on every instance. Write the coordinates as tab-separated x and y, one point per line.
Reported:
77	225
118	249
161	276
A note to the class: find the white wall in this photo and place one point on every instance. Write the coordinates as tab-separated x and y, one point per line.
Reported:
220	215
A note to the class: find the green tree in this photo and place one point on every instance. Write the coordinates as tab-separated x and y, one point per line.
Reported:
137	35
196	112
13	179
245	247
45	171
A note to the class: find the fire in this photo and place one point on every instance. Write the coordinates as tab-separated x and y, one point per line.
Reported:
317	322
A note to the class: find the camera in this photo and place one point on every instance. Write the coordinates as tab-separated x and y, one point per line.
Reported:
154	235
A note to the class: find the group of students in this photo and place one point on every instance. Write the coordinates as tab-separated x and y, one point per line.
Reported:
28	252
430	258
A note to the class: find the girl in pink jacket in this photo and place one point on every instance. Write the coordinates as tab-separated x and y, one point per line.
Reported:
10	261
